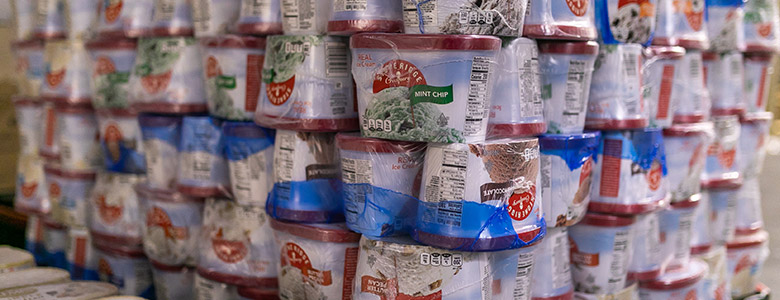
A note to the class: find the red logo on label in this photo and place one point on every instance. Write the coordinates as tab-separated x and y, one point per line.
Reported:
654	176
279	93
212	67
55	78
104	66
113	11
54	190
295	256
720	292
579	258
694	12
587	168
691	295
104	268
397	73
744	263
228	251
156	83
578	7
159	218
109	214
28	189
521	204
385	289
764	29
726	158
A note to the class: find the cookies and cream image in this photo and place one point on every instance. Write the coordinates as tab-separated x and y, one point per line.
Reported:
249	150
172	224
626	21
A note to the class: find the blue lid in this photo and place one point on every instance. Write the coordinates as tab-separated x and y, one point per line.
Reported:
246	130
569	141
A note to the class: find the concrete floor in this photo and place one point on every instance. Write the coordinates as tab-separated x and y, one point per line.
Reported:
770	191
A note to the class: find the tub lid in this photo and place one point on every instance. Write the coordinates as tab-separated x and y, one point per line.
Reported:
759	56
52	224
234	41
144	190
756	117
22	100
155	120
664	52
709	55
166	267
689	129
85	108
111	44
730	183
689	202
569	141
558	47
424	42
27	44
33	276
692	273
744	241
70	174
75	290
333	233
246	130
116	112
602	220
119	250
258	293
13	257
353	141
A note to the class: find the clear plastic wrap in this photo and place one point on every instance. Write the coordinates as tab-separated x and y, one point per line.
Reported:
682	23
758	71
173	282
601	247
307	84
380	188
32	277
415	87
33	238
722	163
753	137
300	17
746	256
14	259
49	147
126	268
29	113
748	212
50	19
725	28
82	262
676	227
81	17
250	154
714	284
726	94
215	17
24	14
55	238
647	257
121	141
236	245
551	276
115	215
206	289
482	196
203	168
125	18
685	283
686	148
161	135
572	20
722	212
318	261
31	193
168	76
112	62
260	17
69	192
349	17
516	107
658	77
499	18
566	69
626	21
307	185
693	99
232	66
172	225
77	130
172	18
30	66
76	290
68	72
615	100
762	26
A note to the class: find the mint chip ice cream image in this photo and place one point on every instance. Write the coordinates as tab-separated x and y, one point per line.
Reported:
112	63
260	17
232	66
214	17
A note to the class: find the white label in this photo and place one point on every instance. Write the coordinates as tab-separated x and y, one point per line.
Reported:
476	107
695	75
617	269
428	13
196	166
633	81
211	290
255	7
356	170
201	14
336	60
682	244
350	5
283	158
449	184
573	102
247	176
560	260
523	277
163	10
529	88
546	179
298	14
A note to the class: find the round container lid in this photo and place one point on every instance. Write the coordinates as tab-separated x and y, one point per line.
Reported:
111	44
145	191
759	56
558	47
709	55
246	130
333	233
13	257
33	276
569	141
154	120
664	52
745	241
756	117
69	174
167	268
692	273
689	202
117	112
51	224
688	129
234	41
353	141
85	108
119	250
602	220
258	294
32	43
21	100
424	42
74	290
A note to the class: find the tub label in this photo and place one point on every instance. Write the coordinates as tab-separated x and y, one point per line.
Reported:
297	258
426	11
157	217
350	5
299	14
523	276
163	10
574	104
286	54
357	171
155	61
452	180
248	176
578	7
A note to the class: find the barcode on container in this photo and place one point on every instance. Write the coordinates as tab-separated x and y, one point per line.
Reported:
336	59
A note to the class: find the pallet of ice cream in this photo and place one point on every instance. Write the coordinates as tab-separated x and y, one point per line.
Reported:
172	18
202	167
233	66
14	259
161	135
746	256
560	20
120	18
67	72
722	203
24	16
753	138
112	62
676	226
126	268
758	70
761	26
173	282
250	154
748	211
115	215
722	166
684	283
686	148
658	77
615	100
258	18
498	18
55	238
551	275
76	290
216	17
121	141
50	20
69	192
622	22
76	131
33	277
172	225
82	262
725	28
726	94
600	253
30	66
348	18
681	27
404	93
647	257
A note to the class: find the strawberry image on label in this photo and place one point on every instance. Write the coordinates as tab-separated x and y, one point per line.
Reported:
228	251
156	83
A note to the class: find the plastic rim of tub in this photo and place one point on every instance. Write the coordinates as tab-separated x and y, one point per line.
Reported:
69	174
560	47
27	44
733	181
170	108
689	129
167	268
237	280
424	42
202	192
643	276
758	48
700	249
116	112
234	41
748	230
20	100
689	202
517	130
603	220
567	32
13	257
681	278
756	117
565	296
353	141
258	293
111	44
695	44
51	224
266	28
103	238
568	141
334	233
61	108
246	130
340	27
119	250
161	195
153	120
626	209
170	32
664	52
759	56
747	241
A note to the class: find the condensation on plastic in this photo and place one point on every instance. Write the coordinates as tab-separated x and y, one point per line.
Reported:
233	66
76	290
566	69
758	71
714	284
206	289
746	256
250	155
173	282
82	261
260	18
29	113
722	212
725	27
50	19
414	87
128	269
49	147
686	149
77	130
69	192
172	225
306	84
115	215
693	99
125	18
401	267
81	17
722	163
658	77
168	76
762	26
369	16
121	141
616	100
33	277
621	22
684	283
55	238
161	135
318	261
380	184
302	17
306	178
682	24
551	276
499	18
560	20
31	193
172	18
676	227
67	72
236	245
203	168
601	248
33	238
112	62
214	17
647	257
24	14
753	137
481	196
726	94
748	212
30	66
516	107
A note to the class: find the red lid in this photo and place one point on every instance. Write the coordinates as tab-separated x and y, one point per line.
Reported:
202	192
354	142
664	52
689	202
644	276
161	195
558	47
709	55
611	124
745	241
74	109
111	44
424	42
755	117
27	44
20	100
688	129
103	238
258	294
560	32
51	224
692	273
566	296
692	118
759	56
602	220
759	49
332	233
70	174
120	250
700	249
117	112
727	183
234	41
167	268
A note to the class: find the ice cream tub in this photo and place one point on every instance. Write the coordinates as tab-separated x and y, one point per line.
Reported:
301	17
626	22
693	102
516	107
115	216
203	170
600	253
250	293
714	284
701	235
380	183
748	213
31	195
616	100
566	69
112	62
745	256
49	147
233	67
631	172
76	290
168	76
30	66
306	178
681	24
686	146
29	113
647	257
14	259
172	225
126	268
723	207
66	72
394	72
307	84
24	14
173	282
33	238
250	154
499	18
685	283
161	135
123	18
481	196
761	26
560	20
318	261
676	226
50	19
121	141
55	238
753	137
69	194
77	138
722	166
725	25
206	289
81	17
215	17
33	277
82	262
260	17
236	245
172	18
758	71
726	94
349	17
551	275
628	293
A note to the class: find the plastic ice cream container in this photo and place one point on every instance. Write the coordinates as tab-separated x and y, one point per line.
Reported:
260	17
115	215
567	162
173	282
50	20
481	196
33	277
499	18
616	100
168	76
647	257
250	154
233	67
67	72
55	238
628	293
693	102
681	24
714	284
76	290
380	184
391	68
560	20
676	227
125	18
349	17
24	14
172	225
250	293
761	26
722	165
566	69
723	208
307	84
49	147
745	257
701	235
77	138
720	69
121	141
81	17
626	22
685	283
725	27
206	289
203	170
318	261
631	171
300	17
29	113
126	268
31	194
516	107
236	245
748	214
33	238
214	17
172	18
753	137
82	262
601	253
112	62
14	259
686	146
758	71
551	279
30	66
161	135
306	178
69	195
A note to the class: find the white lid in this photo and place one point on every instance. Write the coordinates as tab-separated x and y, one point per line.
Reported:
77	290
11	257
33	276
